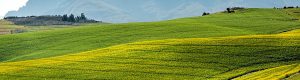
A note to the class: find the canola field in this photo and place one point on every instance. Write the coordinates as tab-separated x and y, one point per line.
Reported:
239	57
257	44
44	44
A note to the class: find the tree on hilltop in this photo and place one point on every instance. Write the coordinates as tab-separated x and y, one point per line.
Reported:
228	10
204	14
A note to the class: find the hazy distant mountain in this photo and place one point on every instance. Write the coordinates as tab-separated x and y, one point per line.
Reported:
138	10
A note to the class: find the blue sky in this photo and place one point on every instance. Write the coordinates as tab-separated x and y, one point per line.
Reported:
131	10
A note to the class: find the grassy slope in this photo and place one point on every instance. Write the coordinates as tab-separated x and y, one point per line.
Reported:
294	77
191	58
65	41
281	71
273	73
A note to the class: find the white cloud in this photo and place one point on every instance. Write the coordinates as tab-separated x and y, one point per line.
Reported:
10	5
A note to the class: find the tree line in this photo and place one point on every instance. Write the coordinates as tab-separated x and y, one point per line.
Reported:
67	18
72	18
51	20
287	7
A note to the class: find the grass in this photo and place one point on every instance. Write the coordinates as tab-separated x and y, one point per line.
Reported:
35	45
248	44
190	58
294	77
273	73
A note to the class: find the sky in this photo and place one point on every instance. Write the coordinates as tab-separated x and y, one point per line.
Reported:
10	5
131	10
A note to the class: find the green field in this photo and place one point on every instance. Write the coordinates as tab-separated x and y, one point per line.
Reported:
241	45
191	58
294	76
93	36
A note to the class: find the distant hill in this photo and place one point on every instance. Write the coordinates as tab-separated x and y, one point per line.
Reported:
7	27
46	20
137	10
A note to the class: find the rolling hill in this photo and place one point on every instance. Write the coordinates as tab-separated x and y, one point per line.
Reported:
190	58
92	36
238	45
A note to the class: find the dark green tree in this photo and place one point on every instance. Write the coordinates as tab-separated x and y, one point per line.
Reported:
72	18
83	17
78	19
204	14
65	17
228	10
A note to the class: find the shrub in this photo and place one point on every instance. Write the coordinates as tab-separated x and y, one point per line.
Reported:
204	14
